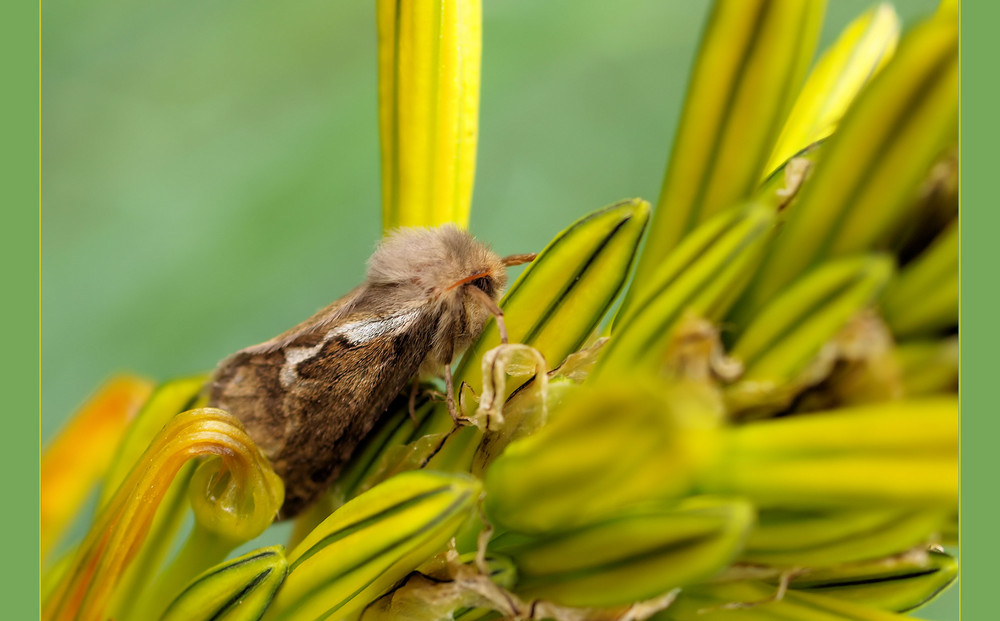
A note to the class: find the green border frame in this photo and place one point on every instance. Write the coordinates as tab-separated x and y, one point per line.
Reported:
980	219
20	51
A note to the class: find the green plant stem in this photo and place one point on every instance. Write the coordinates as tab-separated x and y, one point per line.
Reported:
203	549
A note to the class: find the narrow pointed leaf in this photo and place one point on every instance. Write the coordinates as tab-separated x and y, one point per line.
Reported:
753	57
429	66
861	51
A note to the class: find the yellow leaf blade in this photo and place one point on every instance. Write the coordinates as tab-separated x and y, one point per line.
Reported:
429	68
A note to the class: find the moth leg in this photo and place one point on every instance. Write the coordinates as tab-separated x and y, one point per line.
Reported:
494	308
414	389
450	398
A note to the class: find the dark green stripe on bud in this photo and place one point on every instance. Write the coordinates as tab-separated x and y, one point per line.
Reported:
237	590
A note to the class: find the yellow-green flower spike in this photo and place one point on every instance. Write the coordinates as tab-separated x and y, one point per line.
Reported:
870	170
753	57
861	51
372	542
237	590
429	66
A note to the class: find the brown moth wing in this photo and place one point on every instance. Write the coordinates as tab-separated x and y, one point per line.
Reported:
308	397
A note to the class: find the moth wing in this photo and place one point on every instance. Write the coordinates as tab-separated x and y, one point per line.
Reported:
309	396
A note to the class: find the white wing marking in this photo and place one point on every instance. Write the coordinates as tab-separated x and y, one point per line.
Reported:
355	332
364	330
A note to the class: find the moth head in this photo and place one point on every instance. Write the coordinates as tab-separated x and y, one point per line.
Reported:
437	262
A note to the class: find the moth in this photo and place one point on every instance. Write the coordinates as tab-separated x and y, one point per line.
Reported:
308	396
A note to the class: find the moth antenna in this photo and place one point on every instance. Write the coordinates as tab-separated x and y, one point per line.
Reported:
518	259
492	306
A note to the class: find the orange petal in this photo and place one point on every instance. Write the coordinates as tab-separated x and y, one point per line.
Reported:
79	455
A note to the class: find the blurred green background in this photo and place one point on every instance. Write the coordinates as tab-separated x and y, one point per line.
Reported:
210	169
